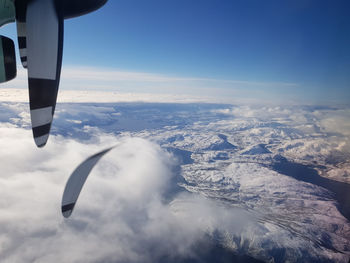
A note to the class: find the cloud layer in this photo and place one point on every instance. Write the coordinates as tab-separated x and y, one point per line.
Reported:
142	86
121	215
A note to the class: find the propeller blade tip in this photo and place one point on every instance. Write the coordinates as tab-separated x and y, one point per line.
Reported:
67	209
41	141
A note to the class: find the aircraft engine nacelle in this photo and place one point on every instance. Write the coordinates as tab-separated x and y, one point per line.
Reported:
74	8
8	68
69	8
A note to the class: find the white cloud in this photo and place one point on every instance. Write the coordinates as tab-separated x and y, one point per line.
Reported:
120	215
101	85
79	96
335	121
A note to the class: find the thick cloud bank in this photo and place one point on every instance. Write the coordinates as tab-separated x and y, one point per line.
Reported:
121	215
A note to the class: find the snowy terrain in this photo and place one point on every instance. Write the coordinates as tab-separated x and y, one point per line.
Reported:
225	159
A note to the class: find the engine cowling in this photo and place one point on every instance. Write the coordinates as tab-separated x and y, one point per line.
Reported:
68	8
75	8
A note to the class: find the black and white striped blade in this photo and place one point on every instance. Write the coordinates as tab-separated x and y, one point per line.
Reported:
44	44
76	182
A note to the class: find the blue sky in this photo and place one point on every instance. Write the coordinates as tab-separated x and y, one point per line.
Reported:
299	42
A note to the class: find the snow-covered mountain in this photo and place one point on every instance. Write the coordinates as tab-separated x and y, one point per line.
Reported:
251	177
